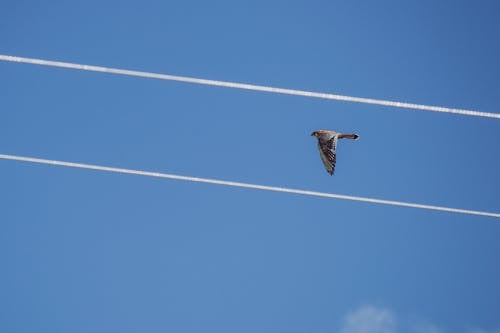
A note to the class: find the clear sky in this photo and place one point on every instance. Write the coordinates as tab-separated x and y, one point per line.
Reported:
87	251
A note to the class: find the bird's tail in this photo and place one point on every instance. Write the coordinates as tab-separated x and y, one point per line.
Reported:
349	136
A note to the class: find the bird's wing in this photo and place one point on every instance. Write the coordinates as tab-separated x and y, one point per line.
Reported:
327	151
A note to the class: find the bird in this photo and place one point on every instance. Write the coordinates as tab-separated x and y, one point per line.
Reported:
327	145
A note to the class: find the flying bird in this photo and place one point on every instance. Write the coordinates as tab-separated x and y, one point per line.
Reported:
327	145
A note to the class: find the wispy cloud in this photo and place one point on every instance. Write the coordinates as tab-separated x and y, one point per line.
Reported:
373	319
369	319
376	319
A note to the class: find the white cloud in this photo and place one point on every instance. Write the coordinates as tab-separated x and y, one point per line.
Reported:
373	319
369	319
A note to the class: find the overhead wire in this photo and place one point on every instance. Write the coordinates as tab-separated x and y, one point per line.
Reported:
245	86
247	185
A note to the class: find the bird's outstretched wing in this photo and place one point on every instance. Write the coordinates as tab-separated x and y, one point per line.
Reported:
328	153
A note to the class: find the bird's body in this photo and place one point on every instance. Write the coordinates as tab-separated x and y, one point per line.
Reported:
327	145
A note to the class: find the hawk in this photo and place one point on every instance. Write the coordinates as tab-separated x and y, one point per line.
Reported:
327	145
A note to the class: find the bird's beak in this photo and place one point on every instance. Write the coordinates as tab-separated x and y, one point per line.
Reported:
312	134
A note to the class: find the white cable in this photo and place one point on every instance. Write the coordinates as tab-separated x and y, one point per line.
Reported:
237	85
246	185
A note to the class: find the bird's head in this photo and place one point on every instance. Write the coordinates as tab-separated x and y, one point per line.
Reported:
315	133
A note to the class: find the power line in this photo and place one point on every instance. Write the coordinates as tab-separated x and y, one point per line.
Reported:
237	85
246	185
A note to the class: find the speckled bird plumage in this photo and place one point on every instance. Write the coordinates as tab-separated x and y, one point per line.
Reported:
327	146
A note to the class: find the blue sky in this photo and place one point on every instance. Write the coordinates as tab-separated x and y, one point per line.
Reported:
86	251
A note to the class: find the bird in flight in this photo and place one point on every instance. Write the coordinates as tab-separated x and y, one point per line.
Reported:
327	145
